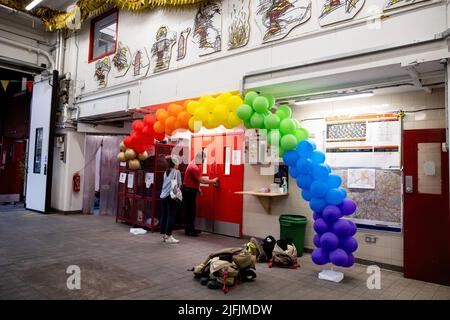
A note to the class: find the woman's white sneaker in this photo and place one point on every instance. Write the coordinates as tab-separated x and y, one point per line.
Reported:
171	239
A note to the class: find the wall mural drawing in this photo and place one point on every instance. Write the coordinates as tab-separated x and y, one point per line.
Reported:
141	61
333	11
182	43
276	18
102	69
392	4
239	28
162	48
208	27
122	60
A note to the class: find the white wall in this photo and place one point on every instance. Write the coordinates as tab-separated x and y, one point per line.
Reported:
223	71
389	246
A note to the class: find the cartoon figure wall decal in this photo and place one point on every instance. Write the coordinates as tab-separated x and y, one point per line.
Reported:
182	43
332	11
162	48
276	18
239	28
102	69
208	27
141	61
392	4
121	60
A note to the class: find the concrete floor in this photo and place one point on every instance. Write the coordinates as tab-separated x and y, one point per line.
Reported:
36	250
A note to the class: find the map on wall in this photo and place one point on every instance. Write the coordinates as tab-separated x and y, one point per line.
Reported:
208	27
276	18
392	4
239	27
333	11
162	49
381	206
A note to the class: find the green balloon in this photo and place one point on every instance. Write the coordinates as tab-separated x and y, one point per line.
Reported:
272	121
257	120
249	97
244	112
247	124
287	126
281	114
260	104
286	109
301	134
297	123
288	142
271	99
274	136
281	152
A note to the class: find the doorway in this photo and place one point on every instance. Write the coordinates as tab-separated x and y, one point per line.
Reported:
426	206
219	208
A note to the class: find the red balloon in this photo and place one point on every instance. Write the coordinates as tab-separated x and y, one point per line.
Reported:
128	142
149	120
140	148
160	136
138	125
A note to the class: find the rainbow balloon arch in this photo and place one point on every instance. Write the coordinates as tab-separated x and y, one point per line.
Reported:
320	187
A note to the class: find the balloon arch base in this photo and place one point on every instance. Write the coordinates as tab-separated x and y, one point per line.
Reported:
331	275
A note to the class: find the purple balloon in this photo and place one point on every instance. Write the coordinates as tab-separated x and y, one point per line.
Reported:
317	204
320	256
329	241
317	215
348	206
342	228
348	244
352	228
320	226
331	213
339	257
334	196
316	240
350	261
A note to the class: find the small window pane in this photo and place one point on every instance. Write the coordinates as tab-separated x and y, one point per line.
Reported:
104	37
205	161
429	164
227	161
38	150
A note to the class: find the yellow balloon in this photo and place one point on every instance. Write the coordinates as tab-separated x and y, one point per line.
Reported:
234	102
194	125
220	113
201	114
223	97
192	106
210	104
234	120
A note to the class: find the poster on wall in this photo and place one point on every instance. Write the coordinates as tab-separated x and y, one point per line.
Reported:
276	18
239	23
208	27
121	60
182	43
393	4
102	69
162	49
141	63
333	11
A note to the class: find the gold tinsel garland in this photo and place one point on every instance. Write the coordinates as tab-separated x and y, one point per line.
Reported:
57	20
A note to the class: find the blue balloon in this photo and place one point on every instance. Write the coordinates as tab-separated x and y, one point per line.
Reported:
320	172
314	146
348	244
320	226
339	257
318	189
306	195
344	192
352	228
350	261
304	149
304	166
329	241
342	228
334	196
293	171
317	204
320	256
318	157
290	157
334	181
331	213
328	167
317	215
316	240
304	181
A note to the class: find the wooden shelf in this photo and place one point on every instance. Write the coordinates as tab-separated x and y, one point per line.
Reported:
268	195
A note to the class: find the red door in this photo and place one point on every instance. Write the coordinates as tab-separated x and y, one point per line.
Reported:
426	207
219	209
12	153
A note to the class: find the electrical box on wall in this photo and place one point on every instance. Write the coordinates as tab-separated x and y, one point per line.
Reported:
61	145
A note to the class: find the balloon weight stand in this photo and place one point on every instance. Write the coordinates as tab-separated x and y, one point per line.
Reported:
331	275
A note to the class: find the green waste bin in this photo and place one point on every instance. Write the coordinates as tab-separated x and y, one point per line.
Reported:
293	227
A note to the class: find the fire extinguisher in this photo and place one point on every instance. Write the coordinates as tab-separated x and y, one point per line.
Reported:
76	182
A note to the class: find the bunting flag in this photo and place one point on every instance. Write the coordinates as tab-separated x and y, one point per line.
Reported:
5	84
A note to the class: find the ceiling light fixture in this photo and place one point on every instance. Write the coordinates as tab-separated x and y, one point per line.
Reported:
32	4
335	98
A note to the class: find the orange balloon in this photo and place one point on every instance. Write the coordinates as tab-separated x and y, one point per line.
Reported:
170	122
159	127
178	125
174	109
162	115
185	103
183	118
168	131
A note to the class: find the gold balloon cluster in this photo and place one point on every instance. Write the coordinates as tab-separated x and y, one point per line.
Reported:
130	156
